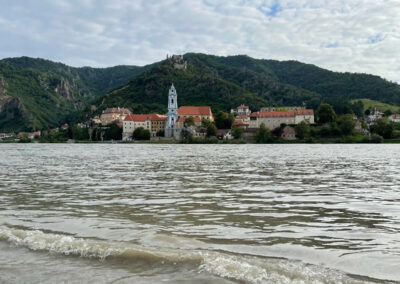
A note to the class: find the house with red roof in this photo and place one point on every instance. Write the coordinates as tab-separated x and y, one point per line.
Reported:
152	122
274	119
288	133
114	114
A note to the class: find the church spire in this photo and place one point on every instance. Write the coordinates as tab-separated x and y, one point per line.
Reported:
172	108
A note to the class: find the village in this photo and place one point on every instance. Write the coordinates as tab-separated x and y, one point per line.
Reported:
198	123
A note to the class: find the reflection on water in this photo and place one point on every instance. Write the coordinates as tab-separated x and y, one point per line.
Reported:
222	213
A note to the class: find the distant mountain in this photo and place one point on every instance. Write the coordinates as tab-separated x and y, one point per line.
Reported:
38	93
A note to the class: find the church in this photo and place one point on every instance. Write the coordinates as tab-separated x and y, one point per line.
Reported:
177	116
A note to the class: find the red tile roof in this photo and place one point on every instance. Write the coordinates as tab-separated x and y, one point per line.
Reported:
136	117
242	106
195	110
182	119
239	122
158	117
144	117
288	130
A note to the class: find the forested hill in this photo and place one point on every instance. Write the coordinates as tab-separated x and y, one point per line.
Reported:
225	82
38	93
332	86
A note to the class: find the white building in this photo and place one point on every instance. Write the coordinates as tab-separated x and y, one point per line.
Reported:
395	118
133	121
241	110
374	116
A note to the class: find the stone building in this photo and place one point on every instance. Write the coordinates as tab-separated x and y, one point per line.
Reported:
241	110
281	108
177	62
274	119
115	114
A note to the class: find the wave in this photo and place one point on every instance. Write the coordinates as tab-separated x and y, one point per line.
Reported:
236	267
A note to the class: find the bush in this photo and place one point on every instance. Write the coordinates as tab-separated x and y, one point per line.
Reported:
325	132
25	139
113	132
211	130
200	140
302	130
375	138
237	132
365	139
141	134
263	135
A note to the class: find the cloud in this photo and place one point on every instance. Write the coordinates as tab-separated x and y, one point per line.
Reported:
356	36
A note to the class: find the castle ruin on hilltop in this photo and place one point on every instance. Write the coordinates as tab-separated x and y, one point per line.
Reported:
177	61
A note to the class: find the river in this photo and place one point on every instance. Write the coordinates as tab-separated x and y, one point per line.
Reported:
147	213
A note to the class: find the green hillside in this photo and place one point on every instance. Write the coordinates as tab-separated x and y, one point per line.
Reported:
371	104
38	93
327	86
148	91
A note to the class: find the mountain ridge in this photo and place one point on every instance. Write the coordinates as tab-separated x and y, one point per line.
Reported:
39	93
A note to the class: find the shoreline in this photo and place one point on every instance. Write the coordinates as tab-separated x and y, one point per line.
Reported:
232	142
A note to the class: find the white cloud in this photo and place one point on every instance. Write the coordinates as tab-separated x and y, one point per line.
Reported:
341	35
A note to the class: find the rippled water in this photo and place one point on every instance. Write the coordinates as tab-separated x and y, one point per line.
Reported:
199	213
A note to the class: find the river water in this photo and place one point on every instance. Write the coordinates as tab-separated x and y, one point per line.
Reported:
199	213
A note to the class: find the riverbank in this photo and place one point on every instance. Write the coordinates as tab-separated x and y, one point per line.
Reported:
306	141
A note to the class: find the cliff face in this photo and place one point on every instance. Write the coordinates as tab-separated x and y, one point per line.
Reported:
4	99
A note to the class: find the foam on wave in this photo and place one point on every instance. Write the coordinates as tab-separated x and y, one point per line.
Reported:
237	267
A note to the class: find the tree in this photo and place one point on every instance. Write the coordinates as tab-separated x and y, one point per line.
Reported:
387	113
78	133
205	123
160	133
346	124
263	134
211	130
358	108
383	128
224	120
302	130
25	139
237	132
326	114
189	122
141	134
348	110
113	132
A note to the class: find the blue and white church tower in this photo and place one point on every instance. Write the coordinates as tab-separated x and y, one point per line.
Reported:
172	112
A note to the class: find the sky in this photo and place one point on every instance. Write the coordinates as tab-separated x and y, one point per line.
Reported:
341	35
